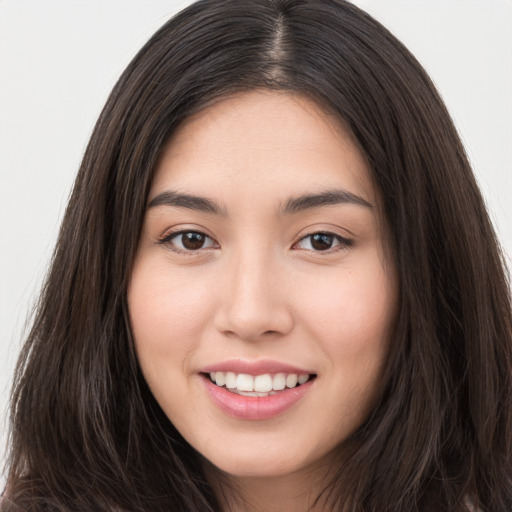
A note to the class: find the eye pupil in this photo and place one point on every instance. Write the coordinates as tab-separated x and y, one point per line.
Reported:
321	241
193	240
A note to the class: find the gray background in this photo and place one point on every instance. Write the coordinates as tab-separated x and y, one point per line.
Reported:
60	58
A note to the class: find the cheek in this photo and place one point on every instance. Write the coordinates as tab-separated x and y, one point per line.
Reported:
167	316
357	304
352	316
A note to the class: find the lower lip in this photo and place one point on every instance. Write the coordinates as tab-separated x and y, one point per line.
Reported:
253	407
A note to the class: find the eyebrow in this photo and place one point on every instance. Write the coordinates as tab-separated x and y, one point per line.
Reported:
293	205
202	204
326	198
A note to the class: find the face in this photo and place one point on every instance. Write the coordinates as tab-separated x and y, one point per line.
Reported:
261	301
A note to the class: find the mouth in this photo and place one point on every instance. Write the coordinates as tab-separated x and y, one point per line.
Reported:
256	390
259	386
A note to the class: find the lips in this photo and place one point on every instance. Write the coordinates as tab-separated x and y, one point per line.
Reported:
255	367
256	390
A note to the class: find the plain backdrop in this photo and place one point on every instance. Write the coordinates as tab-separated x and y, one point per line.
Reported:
60	58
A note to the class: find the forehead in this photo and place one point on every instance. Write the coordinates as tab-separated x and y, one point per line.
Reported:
279	138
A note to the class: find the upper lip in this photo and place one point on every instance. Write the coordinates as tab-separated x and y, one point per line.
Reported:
259	367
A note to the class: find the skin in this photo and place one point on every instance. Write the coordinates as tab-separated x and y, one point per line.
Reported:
259	289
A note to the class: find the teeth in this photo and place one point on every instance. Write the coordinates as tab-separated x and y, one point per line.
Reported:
260	385
291	380
231	380
263	383
279	381
244	382
303	378
252	393
220	378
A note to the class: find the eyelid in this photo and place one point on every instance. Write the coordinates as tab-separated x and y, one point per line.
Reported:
343	242
177	229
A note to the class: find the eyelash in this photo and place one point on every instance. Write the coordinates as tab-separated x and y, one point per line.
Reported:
342	242
169	237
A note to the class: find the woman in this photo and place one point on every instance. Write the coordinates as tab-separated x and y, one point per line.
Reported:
275	287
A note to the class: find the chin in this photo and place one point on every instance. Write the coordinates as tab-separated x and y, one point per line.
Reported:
267	462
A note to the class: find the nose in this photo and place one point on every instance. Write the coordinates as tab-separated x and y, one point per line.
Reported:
254	303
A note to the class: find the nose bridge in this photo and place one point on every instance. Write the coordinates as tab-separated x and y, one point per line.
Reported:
253	302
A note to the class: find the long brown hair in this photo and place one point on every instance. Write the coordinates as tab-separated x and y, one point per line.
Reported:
86	432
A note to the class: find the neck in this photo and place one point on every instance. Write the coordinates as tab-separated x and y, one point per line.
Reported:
295	492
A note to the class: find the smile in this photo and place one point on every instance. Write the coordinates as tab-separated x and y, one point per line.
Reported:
258	385
256	395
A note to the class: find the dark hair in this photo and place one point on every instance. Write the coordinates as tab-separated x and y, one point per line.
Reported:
86	432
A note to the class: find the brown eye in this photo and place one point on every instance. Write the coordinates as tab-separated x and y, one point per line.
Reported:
323	242
192	240
188	241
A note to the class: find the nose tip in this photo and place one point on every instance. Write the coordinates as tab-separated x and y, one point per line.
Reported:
254	307
257	325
